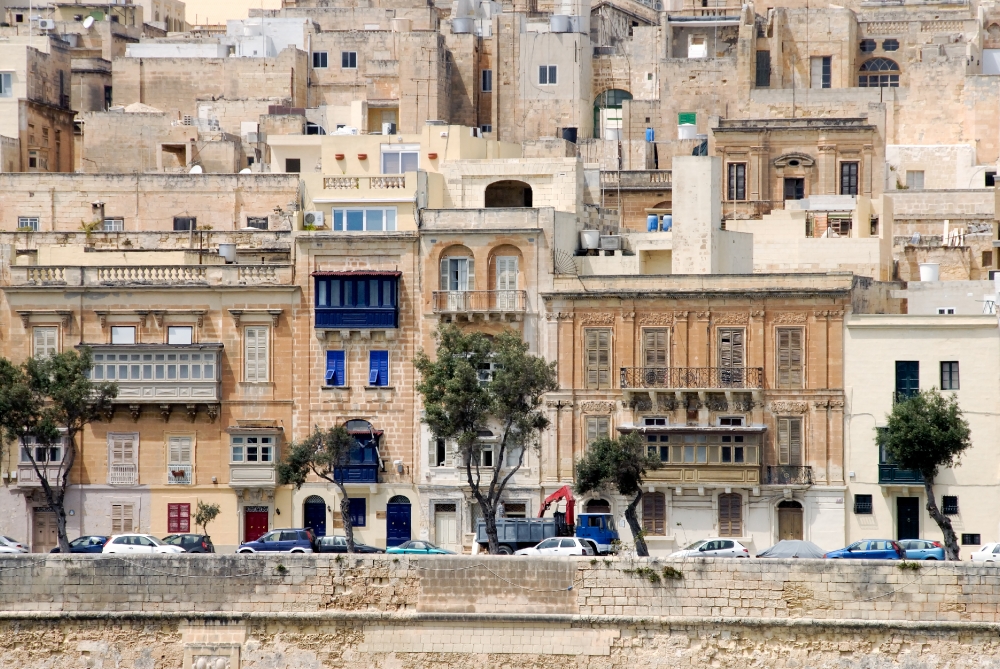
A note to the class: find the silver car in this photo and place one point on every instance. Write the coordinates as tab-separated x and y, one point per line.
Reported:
714	548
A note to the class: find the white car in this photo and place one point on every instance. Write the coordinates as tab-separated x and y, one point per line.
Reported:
714	548
560	546
8	545
138	544
988	553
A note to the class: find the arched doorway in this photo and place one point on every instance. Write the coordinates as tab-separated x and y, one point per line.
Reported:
608	114
397	520
598	506
789	521
508	194
314	514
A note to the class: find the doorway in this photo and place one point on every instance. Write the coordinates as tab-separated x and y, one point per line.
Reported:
46	534
907	518
446	525
314	514
789	521
255	523
397	521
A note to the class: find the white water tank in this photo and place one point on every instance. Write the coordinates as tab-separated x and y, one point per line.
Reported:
590	239
687	131
228	251
559	23
930	271
462	26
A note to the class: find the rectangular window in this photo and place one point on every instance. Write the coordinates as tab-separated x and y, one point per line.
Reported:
915	179
6	88
179	451
257	222
795	189
547	75
486	127
820	71
123	448
349	60
654	513
358	512
256	340
763	74
251	449
44	343
654	348
123	334
949	505
731	421
946	311
597	428
731	347
790	442
907	379
849	178
320	60
949	375
990	178
439	453
862	504
114	224
487	81
179	334
364	220
293	165
185	223
378	368
122	518
27	223
336	368
400	158
971	540
789	345
597	344
737	181
178	518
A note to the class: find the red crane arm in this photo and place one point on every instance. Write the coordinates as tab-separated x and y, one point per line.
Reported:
565	493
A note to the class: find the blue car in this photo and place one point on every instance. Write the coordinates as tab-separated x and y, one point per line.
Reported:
922	549
281	541
870	549
93	543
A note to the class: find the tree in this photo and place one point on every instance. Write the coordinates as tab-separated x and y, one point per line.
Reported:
44	404
205	514
618	464
475	385
324	453
925	433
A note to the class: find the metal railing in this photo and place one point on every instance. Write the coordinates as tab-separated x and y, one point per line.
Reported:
180	474
692	377
123	474
789	475
890	473
473	301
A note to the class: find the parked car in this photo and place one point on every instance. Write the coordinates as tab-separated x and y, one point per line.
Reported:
14	544
793	548
138	544
922	549
561	546
870	549
89	544
714	548
339	545
297	540
989	553
191	543
418	548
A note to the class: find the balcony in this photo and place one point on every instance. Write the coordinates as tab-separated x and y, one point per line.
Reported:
789	475
889	474
692	378
484	302
123	474
335	318
27	477
160	373
357	299
376	183
356	474
150	275
637	180
180	474
252	475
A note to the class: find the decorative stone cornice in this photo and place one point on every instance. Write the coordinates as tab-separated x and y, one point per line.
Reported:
606	318
731	318
597	407
782	406
660	318
790	318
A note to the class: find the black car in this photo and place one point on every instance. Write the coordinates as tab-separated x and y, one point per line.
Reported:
191	543
339	545
92	543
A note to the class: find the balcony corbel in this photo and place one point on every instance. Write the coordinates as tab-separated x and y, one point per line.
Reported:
192	412
213	412
135	410
165	410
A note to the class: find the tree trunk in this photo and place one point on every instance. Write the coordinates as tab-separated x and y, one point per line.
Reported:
345	516
55	497
633	524
490	518
951	550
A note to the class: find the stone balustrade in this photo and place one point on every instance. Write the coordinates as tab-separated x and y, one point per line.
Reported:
151	275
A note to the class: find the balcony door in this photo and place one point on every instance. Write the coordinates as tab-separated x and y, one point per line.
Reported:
457	277
122	457
506	285
732	357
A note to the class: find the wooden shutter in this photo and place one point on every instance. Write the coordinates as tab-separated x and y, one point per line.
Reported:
45	342
655	348
598	352
444	274
178	518
789	357
506	273
783	441
122	518
790	441
470	279
730	515
180	450
255	354
654	513
336	368
731	348
122	449
597	427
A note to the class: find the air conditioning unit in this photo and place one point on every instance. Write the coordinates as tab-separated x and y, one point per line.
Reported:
611	242
313	218
388	128
47	24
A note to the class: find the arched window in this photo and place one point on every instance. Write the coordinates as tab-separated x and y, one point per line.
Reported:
608	113
654	513
314	499
399	499
731	515
508	194
878	73
598	506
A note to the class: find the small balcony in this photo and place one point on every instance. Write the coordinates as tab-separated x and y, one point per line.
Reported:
383	182
638	180
365	318
357	474
483	302
889	474
252	475
160	373
180	474
123	474
789	475
27	477
692	378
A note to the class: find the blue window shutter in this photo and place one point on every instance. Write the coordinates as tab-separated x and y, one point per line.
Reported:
378	368
358	512
335	368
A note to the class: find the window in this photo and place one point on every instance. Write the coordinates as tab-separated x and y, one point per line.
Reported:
349	60
819	71
790	442
255	354
598	427
654	513
335	368
400	158
763	74
358	512
31	450
123	448
251	449
795	188
293	165
27	223
547	75
486	127
946	311
730	515
949	505
364	220
731	347
153	366
949	375
731	421
107	97
907	379
114	224
258	222
789	345
439	453
178	518
971	540
44	343
185	223
890	45
849	178
598	358
6	89
179	334
862	504
867	45
487	81
320	59
879	73
378	368
737	189
122	516
513	459
179	451
370	292
990	179
697	46
654	348
458	274
123	334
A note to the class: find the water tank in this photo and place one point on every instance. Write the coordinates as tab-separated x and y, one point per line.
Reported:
569	134
578	24
668	223
590	239
930	271
687	131
650	134
228	251
462	26
652	223
559	23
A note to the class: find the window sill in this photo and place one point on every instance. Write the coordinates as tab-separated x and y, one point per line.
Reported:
335	387
391	388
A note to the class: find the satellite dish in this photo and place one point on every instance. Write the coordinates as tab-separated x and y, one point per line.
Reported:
246	170
196	170
88	22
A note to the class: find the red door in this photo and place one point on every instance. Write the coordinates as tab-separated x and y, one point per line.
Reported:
254	523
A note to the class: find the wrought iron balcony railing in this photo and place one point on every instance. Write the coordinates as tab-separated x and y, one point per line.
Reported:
479	301
690	378
123	474
789	475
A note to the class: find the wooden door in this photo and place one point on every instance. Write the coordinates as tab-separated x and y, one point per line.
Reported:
789	524
46	535
730	515
446	526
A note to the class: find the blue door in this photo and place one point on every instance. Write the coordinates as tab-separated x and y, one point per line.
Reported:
397	519
314	515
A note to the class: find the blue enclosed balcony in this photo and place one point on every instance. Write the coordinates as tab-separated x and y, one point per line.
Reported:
359	299
364	463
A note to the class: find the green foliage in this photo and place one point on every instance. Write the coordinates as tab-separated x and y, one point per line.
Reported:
927	432
909	566
281	569
205	514
670	573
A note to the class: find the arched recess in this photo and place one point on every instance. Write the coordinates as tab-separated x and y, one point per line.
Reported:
504	268
598	506
878	73
397	520
608	120
457	269
790	520
508	194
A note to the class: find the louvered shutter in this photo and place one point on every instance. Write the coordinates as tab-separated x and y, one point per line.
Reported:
655	348
45	342
180	450
255	354
731	348
783	429
507	273
336	368
432	446
470	278
178	518
654	513
789	357
730	515
590	342
122	449
795	442
444	274
597	427
122	518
